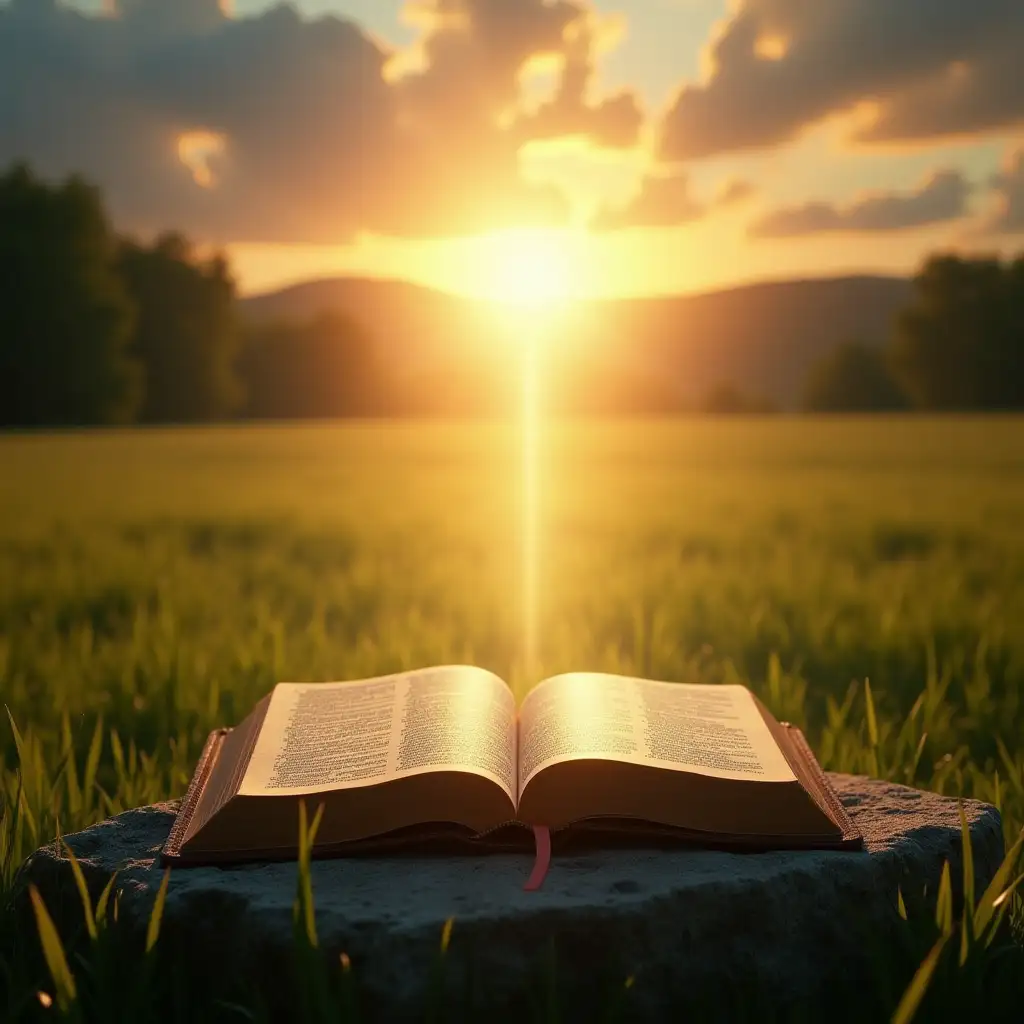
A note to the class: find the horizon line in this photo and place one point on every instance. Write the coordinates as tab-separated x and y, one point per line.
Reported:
737	285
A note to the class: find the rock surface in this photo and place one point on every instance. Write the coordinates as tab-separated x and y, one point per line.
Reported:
712	933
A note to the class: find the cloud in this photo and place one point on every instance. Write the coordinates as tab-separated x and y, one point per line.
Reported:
929	68
734	191
942	197
662	201
1009	185
282	128
613	122
668	201
474	51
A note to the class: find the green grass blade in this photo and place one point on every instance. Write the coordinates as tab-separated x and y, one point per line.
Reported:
869	706
967	853
435	990
918	987
6	843
986	905
314	828
92	759
1002	905
104	901
155	918
53	952
19	743
912	767
944	905
83	890
74	790
305	911
117	750
305	906
26	818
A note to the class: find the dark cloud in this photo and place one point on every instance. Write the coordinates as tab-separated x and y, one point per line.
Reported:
668	201
1009	184
475	51
931	68
613	122
942	197
294	120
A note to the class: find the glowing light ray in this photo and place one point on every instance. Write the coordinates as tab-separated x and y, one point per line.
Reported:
531	277
531	494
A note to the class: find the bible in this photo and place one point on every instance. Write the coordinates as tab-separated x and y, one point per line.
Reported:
444	756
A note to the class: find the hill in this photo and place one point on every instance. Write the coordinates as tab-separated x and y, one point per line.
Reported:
669	351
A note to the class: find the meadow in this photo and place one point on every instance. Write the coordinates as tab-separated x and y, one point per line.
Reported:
154	584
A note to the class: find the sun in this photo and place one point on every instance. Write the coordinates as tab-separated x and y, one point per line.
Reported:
529	268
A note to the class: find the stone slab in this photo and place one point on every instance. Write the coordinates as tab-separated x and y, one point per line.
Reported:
697	928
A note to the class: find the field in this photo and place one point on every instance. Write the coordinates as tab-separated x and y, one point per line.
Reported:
159	582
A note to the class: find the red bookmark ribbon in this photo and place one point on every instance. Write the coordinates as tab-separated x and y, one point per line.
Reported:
542	837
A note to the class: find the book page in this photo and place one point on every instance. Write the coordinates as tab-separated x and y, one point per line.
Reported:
710	730
327	736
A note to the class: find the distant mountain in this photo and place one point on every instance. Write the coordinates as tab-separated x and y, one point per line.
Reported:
761	338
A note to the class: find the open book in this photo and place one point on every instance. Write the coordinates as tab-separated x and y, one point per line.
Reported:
444	753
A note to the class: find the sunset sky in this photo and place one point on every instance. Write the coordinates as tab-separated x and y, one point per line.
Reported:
656	145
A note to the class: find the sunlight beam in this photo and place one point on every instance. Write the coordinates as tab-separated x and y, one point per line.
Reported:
529	275
531	500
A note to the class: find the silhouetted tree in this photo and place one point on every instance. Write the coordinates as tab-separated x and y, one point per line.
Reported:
960	345
326	367
187	335
853	378
65	318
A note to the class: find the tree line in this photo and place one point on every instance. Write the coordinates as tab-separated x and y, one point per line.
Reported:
958	346
97	328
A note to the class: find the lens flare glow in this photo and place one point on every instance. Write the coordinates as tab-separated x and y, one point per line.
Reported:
528	268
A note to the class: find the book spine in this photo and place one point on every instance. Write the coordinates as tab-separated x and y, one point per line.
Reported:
176	837
835	808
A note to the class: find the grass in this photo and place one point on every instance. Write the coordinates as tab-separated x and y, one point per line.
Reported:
155	584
